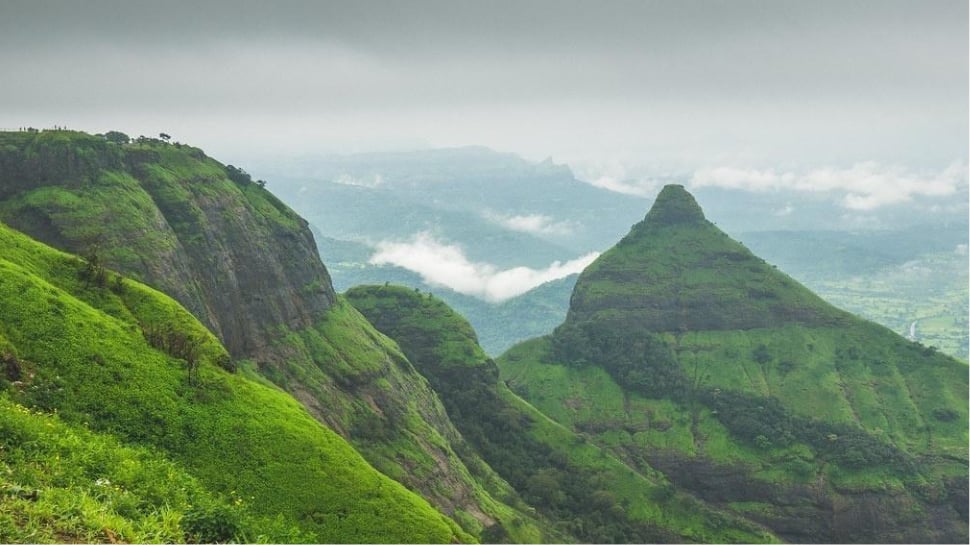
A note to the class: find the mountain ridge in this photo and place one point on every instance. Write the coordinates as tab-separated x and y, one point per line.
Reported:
125	366
682	351
677	271
246	265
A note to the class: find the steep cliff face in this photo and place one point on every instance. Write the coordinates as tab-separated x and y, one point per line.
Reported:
228	250
684	352
245	265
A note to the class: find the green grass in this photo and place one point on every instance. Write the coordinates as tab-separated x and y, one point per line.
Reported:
244	264
82	353
580	487
373	394
61	483
681	348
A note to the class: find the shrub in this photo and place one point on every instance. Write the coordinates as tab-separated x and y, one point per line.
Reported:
212	524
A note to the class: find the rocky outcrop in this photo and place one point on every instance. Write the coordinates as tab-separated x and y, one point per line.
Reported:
169	216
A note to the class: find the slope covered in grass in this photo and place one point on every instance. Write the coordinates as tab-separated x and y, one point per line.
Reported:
684	352
246	266
62	483
127	361
587	493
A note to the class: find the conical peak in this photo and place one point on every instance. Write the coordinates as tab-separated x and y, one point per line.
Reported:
676	271
674	206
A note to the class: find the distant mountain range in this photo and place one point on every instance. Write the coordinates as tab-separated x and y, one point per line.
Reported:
502	211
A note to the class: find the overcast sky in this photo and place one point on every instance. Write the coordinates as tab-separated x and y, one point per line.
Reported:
679	85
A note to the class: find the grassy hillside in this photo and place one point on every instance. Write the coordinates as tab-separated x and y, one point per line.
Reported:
126	361
245	264
170	216
684	352
587	493
63	483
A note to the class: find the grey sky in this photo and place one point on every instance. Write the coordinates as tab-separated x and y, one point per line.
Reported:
672	84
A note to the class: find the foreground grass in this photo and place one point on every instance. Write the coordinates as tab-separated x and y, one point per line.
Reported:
81	350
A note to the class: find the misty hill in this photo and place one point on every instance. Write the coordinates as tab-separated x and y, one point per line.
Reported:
482	185
121	420
506	211
468	197
587	494
682	351
245	265
676	271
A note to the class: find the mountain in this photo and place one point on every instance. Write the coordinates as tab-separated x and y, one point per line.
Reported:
586	493
676	271
123	419
467	193
172	217
247	266
498	210
894	265
683	351
693	392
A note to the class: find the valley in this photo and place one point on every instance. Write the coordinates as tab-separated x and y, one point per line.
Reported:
497	272
180	365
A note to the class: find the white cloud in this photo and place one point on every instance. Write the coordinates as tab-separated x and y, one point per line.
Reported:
637	188
785	210
536	224
347	179
446	265
864	186
613	174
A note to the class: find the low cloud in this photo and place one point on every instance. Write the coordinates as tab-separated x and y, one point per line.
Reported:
446	265
614	175
863	187
536	224
637	188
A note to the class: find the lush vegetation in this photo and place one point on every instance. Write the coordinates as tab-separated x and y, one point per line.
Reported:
62	483
588	494
243	263
694	393
682	351
81	350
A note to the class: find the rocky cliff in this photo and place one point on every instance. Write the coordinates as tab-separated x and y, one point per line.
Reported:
247	266
170	216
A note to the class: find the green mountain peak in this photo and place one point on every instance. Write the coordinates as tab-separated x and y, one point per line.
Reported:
674	206
685	354
676	271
